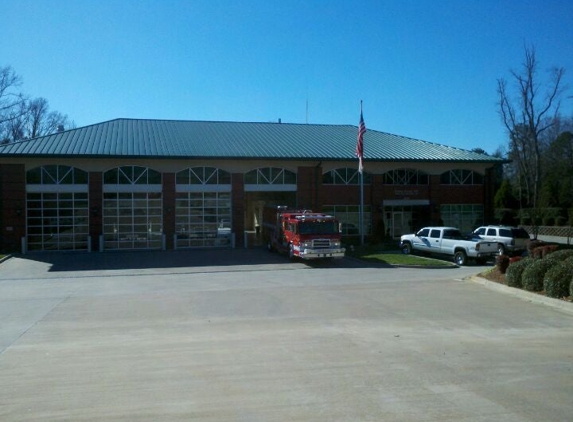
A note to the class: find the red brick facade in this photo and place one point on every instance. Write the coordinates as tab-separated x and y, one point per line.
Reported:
169	208
311	193
13	194
95	208
238	204
309	183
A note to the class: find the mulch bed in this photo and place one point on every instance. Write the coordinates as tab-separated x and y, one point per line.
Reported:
495	275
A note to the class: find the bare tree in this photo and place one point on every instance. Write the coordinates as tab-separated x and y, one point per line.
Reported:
15	125
21	118
10	98
32	119
41	121
526	117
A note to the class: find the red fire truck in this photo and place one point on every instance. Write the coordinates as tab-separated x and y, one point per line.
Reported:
301	233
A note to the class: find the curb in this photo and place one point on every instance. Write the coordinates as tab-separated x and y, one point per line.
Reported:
7	257
524	294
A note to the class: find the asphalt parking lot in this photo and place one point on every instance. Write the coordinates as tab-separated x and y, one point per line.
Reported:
244	335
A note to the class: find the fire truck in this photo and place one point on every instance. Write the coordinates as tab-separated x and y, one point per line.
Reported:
301	233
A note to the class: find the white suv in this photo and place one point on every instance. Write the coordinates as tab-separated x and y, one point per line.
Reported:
509	239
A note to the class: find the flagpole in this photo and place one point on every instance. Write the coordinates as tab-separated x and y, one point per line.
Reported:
361	171
361	210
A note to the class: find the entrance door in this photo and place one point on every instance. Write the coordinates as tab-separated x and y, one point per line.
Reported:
400	223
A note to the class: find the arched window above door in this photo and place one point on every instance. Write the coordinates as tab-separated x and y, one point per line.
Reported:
55	174
270	176
345	176
461	177
203	176
132	175
406	177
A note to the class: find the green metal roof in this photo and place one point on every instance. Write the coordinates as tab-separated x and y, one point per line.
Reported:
233	140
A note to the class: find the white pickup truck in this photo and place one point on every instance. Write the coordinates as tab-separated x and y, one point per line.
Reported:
448	241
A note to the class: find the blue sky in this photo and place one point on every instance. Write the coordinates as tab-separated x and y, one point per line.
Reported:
424	69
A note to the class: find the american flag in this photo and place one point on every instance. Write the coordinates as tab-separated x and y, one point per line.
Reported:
360	143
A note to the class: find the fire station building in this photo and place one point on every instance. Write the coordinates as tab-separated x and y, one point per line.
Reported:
160	184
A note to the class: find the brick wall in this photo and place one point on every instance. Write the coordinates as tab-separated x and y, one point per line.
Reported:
169	208
95	208
13	207
238	204
309	183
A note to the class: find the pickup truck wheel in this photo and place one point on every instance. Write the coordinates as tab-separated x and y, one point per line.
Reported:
406	249
460	258
500	249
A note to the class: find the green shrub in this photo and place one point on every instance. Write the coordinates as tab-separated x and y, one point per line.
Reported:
557	280
561	255
515	270
532	277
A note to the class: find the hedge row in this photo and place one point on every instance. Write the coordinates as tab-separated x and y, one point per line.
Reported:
562	254
532	276
514	271
553	274
558	279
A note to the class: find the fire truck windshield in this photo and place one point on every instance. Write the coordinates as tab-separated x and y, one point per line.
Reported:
318	227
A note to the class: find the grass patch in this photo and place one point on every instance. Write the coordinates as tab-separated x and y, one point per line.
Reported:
392	257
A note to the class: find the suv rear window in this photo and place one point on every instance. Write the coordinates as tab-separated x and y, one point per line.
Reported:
505	233
520	233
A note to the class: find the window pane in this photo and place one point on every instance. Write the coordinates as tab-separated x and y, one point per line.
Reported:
66	175
224	178
50	175
251	177
182	178
80	177
289	177
110	177
34	176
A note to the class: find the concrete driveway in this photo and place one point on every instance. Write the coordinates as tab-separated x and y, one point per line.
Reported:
244	335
